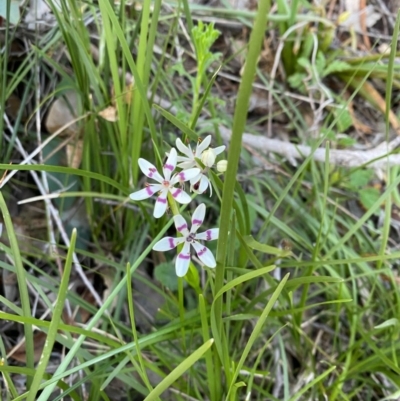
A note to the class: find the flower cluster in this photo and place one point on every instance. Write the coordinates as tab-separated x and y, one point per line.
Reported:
194	167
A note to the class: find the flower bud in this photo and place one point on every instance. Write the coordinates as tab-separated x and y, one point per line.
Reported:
208	157
222	166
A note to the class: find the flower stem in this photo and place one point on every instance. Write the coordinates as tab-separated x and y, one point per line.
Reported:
175	211
235	147
173	205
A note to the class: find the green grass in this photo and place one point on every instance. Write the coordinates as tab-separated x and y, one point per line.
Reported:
303	303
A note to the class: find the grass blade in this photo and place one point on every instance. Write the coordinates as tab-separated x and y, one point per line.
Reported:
179	370
23	288
55	322
256	331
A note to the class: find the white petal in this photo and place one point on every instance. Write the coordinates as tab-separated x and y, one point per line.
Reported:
186	164
161	204
208	235
195	179
185	175
181	225
204	254
145	192
219	149
167	243
182	261
170	164
149	170
184	159
198	217
205	143
202	185
186	150
180	196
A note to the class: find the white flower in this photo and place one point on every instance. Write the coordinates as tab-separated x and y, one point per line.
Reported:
203	152
189	238
165	184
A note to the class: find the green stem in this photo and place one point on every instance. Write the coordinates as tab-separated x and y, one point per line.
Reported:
175	211
239	122
196	93
22	287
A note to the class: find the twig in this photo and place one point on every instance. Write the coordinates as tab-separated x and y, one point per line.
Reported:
275	69
377	158
55	215
38	149
363	24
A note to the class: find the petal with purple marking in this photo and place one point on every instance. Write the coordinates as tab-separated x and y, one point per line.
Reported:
145	192
204	184
181	225
208	235
161	204
180	196
185	175
183	261
170	164
198	217
149	170
167	243
204	254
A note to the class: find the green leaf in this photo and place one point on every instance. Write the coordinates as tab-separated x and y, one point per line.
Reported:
346	141
165	274
343	118
178	124
320	63
296	80
336	66
22	284
193	278
360	178
305	63
179	371
388	323
204	36
296	282
368	196
257	330
394	396
55	323
258	246
65	170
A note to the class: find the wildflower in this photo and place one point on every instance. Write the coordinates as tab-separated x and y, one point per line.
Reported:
189	238
207	155
165	183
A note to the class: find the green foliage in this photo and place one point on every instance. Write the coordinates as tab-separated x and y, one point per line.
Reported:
300	281
165	274
315	72
204	36
369	196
